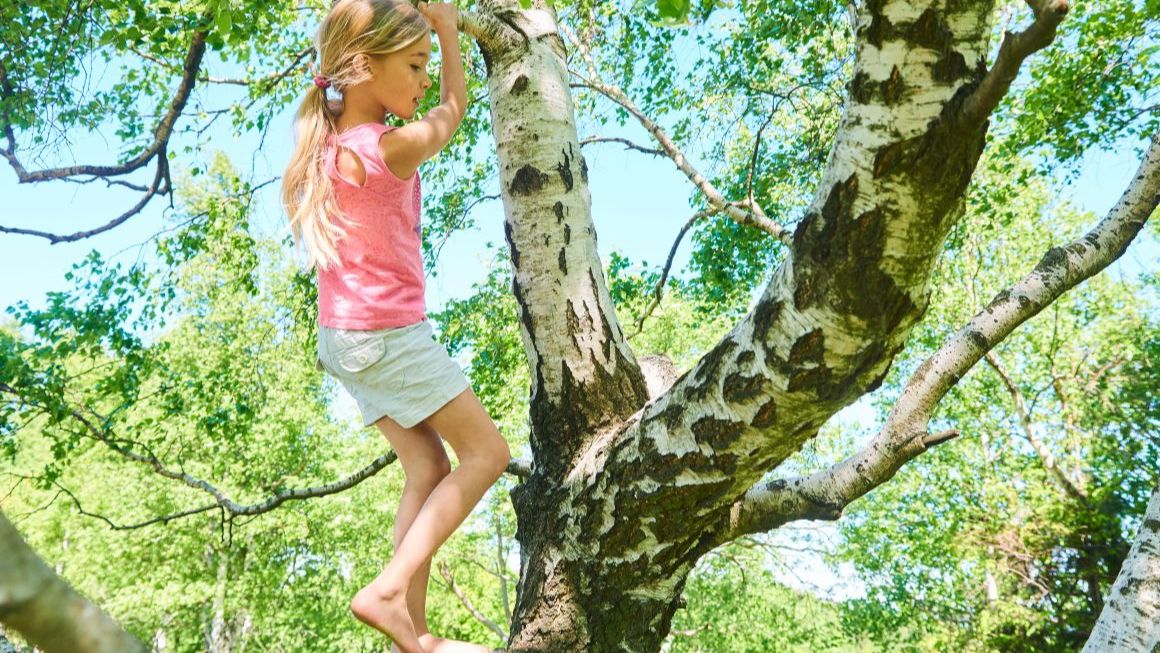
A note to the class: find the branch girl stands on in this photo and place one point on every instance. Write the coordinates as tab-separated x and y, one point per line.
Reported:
351	191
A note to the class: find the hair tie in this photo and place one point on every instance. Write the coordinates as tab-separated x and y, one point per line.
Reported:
321	82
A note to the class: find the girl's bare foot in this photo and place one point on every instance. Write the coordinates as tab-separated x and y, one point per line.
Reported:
443	645
388	615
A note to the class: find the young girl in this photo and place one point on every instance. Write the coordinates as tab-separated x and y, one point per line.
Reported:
351	191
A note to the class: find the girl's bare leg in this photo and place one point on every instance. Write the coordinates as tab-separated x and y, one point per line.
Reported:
425	464
483	455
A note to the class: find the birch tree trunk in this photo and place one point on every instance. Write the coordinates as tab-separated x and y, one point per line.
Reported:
1130	620
627	493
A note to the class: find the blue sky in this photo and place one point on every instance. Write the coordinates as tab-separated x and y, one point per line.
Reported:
639	218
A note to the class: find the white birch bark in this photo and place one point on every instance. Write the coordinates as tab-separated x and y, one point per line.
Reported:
1130	620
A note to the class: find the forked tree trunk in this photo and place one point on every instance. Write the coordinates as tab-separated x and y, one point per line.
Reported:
625	497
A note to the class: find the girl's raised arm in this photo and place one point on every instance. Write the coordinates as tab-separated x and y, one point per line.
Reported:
404	149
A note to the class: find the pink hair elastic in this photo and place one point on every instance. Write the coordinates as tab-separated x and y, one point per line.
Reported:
321	82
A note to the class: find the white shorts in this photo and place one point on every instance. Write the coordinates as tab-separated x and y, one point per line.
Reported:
400	372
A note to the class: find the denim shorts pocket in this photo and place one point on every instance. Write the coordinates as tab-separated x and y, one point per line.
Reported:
358	350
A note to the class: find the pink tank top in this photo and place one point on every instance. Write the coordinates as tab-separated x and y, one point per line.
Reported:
378	282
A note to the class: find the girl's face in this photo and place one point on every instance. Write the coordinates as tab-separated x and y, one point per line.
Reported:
399	79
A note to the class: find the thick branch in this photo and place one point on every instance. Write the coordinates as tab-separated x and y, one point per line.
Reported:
904	436
43	608
161	133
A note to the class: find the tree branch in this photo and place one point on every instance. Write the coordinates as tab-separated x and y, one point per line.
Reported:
627	143
1015	48
160	185
1041	449
445	572
161	133
43	608
231	507
825	494
753	217
658	292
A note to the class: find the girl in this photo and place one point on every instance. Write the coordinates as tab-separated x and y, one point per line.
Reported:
351	191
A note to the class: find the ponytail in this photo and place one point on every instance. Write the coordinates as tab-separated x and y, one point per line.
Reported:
307	190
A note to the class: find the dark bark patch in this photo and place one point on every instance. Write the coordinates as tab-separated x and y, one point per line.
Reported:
705	373
515	252
891	155
893	87
565	171
861	88
1000	298
738	387
528	180
746	357
562	261
558	209
672	415
573	320
583	169
520	85
877	381
567	234
1053	259
717	433
765	315
978	340
950	66
880	30
838	260
765	416
930	31
809	347
814	378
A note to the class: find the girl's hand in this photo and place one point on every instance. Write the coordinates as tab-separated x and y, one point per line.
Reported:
443	16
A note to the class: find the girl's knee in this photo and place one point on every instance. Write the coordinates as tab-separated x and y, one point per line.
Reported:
498	454
429	473
488	452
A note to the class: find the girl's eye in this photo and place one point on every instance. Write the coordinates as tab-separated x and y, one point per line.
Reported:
415	67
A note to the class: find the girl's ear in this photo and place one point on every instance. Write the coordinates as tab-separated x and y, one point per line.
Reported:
361	66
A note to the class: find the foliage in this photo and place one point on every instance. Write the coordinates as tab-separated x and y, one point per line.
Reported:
977	545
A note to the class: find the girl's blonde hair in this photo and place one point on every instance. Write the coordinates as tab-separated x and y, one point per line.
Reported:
351	28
